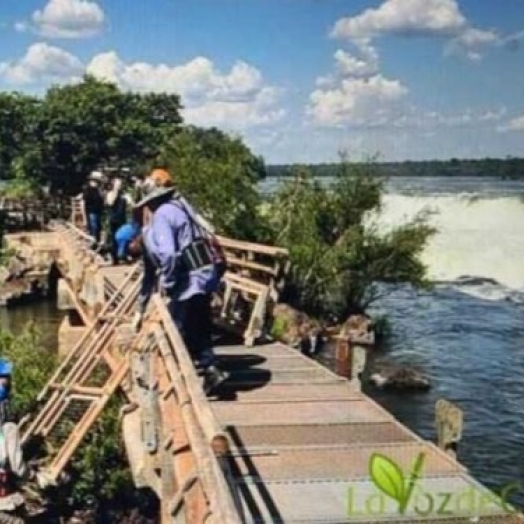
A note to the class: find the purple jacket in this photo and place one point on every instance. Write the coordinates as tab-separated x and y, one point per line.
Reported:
172	228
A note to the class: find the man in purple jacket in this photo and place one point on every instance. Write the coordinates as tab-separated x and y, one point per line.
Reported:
178	261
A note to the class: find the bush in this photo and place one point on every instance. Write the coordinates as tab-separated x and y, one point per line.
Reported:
101	479
338	258
101	476
20	189
219	175
28	377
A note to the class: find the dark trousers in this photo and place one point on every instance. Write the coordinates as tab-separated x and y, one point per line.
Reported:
94	225
193	319
113	228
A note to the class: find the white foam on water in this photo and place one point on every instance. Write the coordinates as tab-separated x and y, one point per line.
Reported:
477	237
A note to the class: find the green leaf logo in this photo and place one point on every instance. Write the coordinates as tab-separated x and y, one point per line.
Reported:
389	478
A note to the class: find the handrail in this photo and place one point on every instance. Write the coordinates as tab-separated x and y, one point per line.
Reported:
184	379
212	429
230	243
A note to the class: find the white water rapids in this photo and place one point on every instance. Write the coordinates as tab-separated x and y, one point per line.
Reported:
480	241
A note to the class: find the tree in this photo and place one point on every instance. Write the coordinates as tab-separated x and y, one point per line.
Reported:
219	174
18	121
338	259
92	123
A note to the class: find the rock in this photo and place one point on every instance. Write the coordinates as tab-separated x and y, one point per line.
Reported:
360	329
4	275
295	328
400	378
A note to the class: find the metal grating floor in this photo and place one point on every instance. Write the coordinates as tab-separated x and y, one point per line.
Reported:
286	412
317	434
302	439
336	462
276	392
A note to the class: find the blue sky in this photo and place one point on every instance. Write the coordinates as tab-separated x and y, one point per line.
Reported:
300	80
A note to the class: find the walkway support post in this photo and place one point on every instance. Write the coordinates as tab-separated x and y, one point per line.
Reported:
449	420
350	360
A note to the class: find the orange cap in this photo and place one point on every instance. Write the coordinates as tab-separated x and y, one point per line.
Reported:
161	178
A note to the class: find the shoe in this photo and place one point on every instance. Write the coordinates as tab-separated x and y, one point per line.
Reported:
200	370
213	378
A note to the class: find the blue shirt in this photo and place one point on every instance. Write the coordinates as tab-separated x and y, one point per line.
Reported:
173	228
123	237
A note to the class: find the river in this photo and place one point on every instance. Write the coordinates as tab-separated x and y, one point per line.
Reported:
467	333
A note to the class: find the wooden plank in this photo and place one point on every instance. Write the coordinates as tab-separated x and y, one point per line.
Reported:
251	246
247	264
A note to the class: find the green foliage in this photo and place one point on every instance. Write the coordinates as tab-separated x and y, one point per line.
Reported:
218	174
18	122
20	189
79	127
339	259
5	255
85	125
99	467
28	377
279	328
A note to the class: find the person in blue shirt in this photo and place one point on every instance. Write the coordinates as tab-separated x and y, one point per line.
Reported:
123	238
184	267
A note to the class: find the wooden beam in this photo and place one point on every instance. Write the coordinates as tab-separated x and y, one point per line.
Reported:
231	243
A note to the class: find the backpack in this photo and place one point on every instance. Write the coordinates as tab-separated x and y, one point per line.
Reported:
205	243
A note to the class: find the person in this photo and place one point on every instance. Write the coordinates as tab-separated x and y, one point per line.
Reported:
189	270
13	467
117	202
94	205
124	238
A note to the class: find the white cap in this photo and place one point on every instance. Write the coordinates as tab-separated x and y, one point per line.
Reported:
96	175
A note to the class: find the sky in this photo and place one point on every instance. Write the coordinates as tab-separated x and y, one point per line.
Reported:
299	80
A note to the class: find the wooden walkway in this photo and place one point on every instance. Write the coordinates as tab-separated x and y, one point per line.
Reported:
286	441
302	439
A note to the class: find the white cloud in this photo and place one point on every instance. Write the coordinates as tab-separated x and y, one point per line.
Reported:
441	18
356	94
357	102
350	65
515	124
471	42
42	62
66	19
238	98
404	17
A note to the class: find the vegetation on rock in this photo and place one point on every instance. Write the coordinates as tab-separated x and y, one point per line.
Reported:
339	257
100	478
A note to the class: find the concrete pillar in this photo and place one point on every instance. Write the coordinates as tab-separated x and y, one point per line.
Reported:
64	300
68	335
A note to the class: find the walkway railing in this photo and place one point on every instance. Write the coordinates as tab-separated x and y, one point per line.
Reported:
179	437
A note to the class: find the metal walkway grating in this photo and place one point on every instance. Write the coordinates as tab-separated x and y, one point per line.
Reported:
302	439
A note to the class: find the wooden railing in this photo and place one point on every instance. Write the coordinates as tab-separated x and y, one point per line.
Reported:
171	430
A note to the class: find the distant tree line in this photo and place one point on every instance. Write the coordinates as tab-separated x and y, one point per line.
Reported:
508	168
